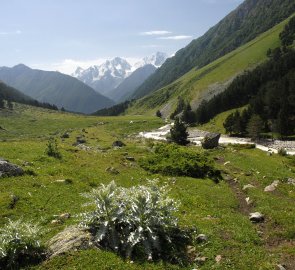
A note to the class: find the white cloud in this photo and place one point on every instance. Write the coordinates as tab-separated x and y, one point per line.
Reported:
4	33
176	37
156	33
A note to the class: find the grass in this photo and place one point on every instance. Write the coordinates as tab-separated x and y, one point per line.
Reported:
198	83
213	208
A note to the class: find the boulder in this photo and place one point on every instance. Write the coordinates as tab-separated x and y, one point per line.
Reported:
201	238
8	169
112	170
130	158
118	144
272	187
291	181
248	187
256	217
65	135
211	141
80	140
71	238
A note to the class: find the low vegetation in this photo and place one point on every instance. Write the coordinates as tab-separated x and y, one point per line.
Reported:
138	222
20	244
173	160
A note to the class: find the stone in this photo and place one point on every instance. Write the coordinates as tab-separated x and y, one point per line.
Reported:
272	187
112	170
130	158
118	144
256	217
281	267
218	258
56	221
248	201
8	169
226	163
291	181
211	141
71	238
80	140
64	216
248	187
202	238
65	135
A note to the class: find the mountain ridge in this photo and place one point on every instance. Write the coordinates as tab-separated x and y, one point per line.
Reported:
55	88
237	28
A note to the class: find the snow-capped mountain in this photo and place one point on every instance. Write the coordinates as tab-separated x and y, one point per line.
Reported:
109	75
156	60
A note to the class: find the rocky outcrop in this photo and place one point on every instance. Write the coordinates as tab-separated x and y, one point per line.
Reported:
71	238
211	141
8	169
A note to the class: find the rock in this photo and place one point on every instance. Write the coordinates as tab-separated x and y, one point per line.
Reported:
65	135
56	221
248	201
211	141
64	216
256	217
112	170
118	144
281	267
130	158
272	187
226	163
201	238
218	258
8	169
71	238
248	187
80	140
291	181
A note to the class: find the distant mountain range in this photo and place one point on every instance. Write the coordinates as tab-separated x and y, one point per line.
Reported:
54	88
107	78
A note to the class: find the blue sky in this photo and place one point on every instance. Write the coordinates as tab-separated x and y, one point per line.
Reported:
61	34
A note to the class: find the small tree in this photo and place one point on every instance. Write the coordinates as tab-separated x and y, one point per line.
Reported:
188	116
9	104
2	105
52	149
158	113
255	127
178	133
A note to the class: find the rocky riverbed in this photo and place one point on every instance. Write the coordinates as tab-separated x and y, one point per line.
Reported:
196	136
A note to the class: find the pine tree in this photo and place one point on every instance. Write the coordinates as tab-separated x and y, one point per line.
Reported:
255	127
178	133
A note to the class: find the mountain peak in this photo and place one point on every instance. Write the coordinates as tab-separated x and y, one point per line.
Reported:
21	66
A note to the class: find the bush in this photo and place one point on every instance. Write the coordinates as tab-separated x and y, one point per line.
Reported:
174	160
20	245
137	222
52	149
282	152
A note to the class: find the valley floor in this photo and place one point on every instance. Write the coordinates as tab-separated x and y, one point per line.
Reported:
218	210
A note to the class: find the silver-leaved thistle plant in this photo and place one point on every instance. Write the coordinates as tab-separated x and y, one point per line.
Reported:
125	218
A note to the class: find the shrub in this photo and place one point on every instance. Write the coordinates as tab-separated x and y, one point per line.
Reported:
282	152
52	149
137	221
20	244
174	160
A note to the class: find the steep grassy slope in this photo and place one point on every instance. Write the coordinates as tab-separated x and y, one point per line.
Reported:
55	88
217	210
213	78
250	19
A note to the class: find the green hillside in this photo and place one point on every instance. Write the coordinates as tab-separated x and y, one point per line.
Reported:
211	79
249	20
217	210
